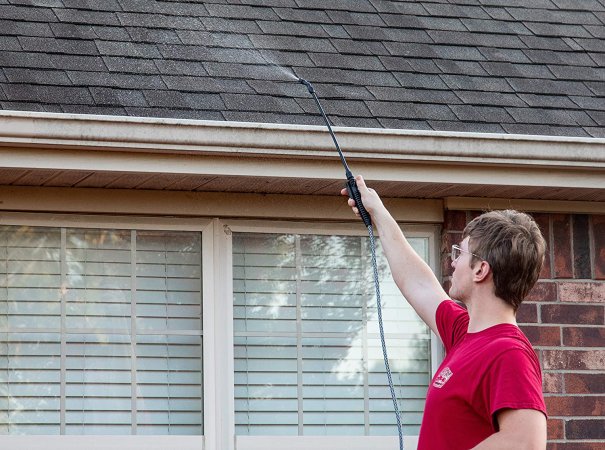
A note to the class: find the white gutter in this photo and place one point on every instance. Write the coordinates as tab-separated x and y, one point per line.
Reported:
253	140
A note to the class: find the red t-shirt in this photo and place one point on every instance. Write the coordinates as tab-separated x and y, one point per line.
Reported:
481	374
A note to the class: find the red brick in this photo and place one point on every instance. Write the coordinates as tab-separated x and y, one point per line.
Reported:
554	429
562	246
473	214
585	383
582	292
543	291
454	220
543	221
446	265
573	359
527	313
576	406
552	383
448	239
573	314
584	336
574	446
585	429
542	335
598	233
581	246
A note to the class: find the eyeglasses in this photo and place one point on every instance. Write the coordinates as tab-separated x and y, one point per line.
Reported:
457	251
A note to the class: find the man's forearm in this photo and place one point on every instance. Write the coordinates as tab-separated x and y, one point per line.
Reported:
505	441
411	273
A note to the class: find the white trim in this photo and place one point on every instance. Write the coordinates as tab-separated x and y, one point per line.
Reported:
324	442
40	442
35	129
223	367
211	401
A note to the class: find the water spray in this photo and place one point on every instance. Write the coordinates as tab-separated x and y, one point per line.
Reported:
365	216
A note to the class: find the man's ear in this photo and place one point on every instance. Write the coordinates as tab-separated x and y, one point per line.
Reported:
481	271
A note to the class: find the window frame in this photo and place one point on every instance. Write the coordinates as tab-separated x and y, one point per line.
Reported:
130	442
430	231
217	330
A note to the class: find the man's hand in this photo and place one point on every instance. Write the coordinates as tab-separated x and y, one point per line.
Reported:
370	199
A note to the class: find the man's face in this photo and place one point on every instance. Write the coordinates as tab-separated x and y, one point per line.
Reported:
462	278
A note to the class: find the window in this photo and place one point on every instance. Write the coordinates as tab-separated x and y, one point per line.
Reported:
307	352
100	331
101	336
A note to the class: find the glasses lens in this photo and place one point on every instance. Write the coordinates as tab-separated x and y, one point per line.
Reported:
455	253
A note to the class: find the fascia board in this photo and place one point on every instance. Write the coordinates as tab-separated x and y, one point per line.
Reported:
276	141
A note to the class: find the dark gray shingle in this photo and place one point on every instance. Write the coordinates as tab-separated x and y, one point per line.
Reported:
86	17
21	28
117	80
117	97
360	62
206	84
36	76
57	95
240	11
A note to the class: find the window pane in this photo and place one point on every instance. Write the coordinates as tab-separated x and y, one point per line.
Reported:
98	384
30	383
308	359
98	279
100	331
30	278
168	281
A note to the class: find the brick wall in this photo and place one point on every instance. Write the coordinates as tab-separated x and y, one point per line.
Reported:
564	318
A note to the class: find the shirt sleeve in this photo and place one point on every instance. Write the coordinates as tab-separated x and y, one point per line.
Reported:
514	381
452	323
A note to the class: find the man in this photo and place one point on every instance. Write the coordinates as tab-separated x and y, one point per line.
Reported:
487	393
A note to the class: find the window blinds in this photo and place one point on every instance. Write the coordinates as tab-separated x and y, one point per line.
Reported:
100	331
307	351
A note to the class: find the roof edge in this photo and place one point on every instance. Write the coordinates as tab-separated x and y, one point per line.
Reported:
184	136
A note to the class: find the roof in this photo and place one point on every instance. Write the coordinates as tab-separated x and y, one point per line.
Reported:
495	66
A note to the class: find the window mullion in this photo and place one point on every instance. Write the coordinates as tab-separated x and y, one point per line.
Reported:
133	330
63	369
299	350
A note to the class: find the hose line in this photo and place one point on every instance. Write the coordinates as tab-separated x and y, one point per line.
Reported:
382	341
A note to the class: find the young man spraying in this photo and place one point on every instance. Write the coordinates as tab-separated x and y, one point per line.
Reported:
487	393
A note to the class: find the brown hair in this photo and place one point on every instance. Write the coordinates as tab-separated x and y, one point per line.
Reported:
511	242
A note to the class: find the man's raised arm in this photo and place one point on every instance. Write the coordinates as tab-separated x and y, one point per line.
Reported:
413	276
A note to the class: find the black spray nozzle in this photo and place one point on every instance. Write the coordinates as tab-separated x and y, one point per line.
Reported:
306	83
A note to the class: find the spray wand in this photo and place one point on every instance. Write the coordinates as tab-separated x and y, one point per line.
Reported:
365	216
351	183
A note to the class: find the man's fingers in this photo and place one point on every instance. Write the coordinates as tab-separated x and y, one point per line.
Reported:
361	184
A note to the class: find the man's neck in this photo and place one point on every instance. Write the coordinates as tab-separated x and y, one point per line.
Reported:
488	310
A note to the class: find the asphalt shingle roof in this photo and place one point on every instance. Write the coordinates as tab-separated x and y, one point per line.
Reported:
513	66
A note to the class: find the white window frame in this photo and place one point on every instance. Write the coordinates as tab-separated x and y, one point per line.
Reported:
226	316
218	338
128	442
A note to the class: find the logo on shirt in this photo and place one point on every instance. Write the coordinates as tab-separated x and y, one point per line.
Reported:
442	378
